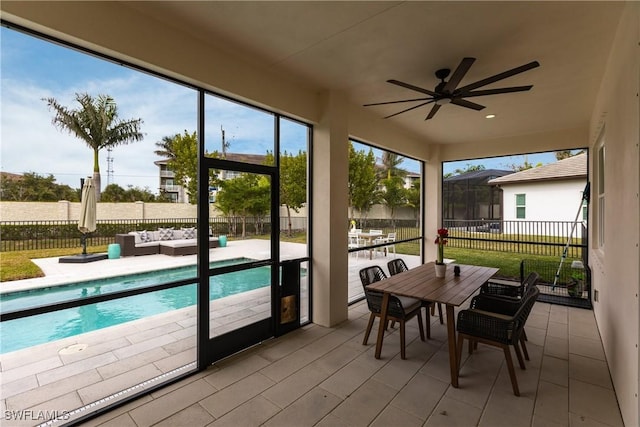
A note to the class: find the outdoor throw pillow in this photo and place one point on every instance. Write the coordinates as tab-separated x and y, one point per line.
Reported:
189	233
165	233
144	236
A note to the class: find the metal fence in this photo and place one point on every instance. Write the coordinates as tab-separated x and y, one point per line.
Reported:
547	238
29	235
525	237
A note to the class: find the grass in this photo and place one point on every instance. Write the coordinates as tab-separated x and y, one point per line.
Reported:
18	265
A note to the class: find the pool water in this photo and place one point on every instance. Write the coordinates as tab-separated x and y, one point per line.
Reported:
22	333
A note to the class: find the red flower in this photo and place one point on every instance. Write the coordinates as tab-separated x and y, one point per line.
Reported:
443	232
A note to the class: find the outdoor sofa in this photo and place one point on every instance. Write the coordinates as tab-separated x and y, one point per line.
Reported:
165	241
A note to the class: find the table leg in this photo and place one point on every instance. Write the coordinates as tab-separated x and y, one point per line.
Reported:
383	323
451	337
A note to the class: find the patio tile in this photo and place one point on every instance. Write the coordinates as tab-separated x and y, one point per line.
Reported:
125	365
192	416
286	366
167	405
307	410
589	370
291	388
505	409
420	396
47	392
392	416
552	403
123	420
557	347
143	346
586	347
227	399
251	413
452	412
235	369
177	360
555	371
362	406
30	369
348	378
18	386
115	384
594	402
558	330
79	367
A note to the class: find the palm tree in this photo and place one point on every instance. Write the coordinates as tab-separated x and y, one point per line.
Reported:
97	124
390	166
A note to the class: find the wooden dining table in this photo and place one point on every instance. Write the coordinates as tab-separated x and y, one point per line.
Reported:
421	283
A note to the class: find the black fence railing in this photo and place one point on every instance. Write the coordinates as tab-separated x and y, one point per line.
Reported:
30	235
547	238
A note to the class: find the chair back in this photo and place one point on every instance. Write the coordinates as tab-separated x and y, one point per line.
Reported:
531	280
391	237
397	266
521	316
372	231
373	274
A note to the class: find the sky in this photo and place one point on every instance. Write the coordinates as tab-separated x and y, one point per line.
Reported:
32	70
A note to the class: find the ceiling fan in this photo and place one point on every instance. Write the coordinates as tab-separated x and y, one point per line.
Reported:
447	92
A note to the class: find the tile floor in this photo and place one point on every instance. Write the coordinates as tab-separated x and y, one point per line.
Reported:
320	376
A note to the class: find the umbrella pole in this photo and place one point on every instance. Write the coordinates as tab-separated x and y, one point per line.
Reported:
83	240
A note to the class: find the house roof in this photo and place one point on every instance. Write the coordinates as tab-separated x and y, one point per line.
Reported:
569	168
479	175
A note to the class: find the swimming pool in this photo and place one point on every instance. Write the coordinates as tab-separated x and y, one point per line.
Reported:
22	333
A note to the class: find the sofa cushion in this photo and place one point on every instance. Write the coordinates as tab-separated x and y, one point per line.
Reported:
189	233
165	233
148	244
145	236
178	234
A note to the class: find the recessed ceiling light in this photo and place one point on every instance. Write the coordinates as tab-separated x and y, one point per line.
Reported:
490	116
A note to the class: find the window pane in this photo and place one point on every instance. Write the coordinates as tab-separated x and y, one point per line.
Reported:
520	212
520	199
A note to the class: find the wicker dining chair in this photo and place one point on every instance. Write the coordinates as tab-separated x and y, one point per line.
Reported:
398	265
500	288
485	324
400	308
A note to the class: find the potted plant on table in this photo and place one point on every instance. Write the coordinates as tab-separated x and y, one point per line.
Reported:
441	240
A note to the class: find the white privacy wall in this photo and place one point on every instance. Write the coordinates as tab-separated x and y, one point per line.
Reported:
545	200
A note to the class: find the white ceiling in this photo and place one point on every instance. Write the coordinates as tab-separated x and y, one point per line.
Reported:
356	46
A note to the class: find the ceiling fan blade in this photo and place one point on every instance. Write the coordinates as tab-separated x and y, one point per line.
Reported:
412	87
458	74
410	108
468	104
496	91
500	76
433	112
396	102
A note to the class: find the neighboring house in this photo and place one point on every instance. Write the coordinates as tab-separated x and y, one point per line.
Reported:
178	194
552	192
172	191
469	196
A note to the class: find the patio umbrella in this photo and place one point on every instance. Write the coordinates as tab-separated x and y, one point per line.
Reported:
87	221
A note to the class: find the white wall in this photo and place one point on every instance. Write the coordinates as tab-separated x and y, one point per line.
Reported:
616	268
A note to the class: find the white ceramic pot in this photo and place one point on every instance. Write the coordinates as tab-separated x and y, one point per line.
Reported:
441	269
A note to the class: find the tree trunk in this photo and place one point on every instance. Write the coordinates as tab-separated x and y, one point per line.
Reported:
289	219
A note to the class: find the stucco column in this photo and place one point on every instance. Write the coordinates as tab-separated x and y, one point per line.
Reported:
139	207
432	202
64	208
330	207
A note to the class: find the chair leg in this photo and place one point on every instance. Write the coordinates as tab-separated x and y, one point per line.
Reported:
369	326
428	323
519	355
524	347
472	345
420	324
440	313
512	371
403	354
524	335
